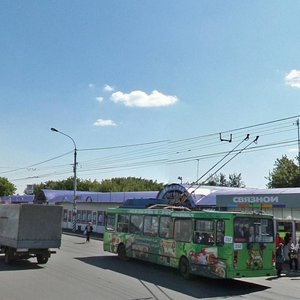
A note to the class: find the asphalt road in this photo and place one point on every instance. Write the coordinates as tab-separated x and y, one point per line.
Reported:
83	271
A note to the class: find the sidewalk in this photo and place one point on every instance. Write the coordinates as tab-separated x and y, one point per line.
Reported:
93	235
291	273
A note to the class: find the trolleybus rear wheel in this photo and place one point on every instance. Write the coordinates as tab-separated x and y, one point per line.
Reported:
184	268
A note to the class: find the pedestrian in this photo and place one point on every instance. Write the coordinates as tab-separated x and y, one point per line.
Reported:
293	256
298	246
287	238
88	229
279	239
298	250
286	247
279	259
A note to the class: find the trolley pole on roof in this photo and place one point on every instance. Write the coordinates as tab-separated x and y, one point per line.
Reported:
74	214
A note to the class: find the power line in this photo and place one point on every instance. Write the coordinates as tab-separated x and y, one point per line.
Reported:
165	151
122	146
37	164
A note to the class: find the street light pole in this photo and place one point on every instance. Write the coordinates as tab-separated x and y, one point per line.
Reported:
75	177
297	123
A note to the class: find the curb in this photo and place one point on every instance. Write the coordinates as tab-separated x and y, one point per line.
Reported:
93	235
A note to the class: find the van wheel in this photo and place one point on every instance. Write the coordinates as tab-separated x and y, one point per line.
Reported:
41	259
184	268
8	256
122	252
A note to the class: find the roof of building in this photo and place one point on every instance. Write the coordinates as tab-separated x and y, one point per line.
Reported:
16	199
211	199
59	196
204	196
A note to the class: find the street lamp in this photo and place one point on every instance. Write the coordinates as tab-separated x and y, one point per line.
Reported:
180	178
75	179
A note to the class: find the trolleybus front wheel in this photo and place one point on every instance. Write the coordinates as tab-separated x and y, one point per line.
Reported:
184	268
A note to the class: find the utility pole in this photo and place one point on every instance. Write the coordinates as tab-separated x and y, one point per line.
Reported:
197	168
74	214
297	123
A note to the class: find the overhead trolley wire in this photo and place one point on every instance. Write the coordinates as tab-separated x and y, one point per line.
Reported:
239	152
227	154
155	151
169	149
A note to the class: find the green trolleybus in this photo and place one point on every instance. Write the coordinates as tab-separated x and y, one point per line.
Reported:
206	243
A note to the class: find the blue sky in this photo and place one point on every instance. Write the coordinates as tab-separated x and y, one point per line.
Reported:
145	87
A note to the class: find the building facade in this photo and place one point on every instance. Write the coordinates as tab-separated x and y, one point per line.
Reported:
283	204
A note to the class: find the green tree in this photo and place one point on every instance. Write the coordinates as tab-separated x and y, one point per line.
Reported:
284	174
217	180
6	188
235	180
129	184
122	184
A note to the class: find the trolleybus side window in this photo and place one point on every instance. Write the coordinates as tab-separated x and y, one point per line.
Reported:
136	224
150	225
220	232
166	227
204	232
183	230
123	221
110	222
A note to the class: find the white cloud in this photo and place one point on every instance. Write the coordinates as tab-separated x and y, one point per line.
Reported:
101	122
91	85
99	99
141	99
108	88
293	78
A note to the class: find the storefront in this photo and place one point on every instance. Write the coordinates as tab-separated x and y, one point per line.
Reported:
283	204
